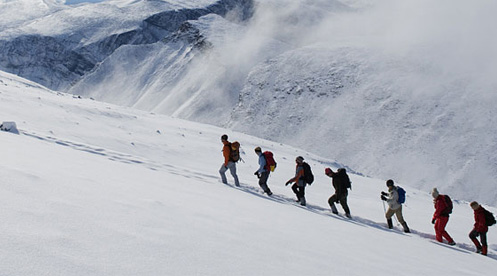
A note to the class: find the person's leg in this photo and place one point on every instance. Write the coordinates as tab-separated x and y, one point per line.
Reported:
263	182
296	191
388	216
438	231
472	235
222	172
301	186
232	167
400	217
331	202
443	232
484	247
343	202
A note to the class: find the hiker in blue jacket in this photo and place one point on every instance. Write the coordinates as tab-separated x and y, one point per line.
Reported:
262	173
394	207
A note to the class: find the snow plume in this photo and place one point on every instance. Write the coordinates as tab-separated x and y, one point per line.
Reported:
396	89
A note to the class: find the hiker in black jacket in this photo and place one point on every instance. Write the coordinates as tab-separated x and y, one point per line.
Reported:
341	183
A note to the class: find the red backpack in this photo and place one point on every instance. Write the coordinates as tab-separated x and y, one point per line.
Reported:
270	163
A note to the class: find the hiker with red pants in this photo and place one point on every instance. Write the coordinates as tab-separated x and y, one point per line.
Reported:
441	216
480	228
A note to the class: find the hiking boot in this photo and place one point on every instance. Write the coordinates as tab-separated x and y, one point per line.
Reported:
406	228
452	243
348	215
269	193
390	223
484	250
478	250
334	209
302	201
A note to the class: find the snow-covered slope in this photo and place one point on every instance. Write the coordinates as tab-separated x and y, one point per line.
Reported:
90	188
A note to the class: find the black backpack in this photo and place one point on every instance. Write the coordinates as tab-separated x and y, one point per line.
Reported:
344	178
489	218
308	176
448	203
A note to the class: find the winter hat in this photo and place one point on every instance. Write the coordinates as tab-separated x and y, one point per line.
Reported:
300	158
474	205
435	193
327	171
224	137
258	149
389	182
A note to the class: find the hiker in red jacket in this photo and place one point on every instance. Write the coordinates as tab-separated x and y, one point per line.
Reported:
480	228
441	217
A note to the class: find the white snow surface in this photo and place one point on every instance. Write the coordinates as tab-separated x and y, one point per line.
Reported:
89	188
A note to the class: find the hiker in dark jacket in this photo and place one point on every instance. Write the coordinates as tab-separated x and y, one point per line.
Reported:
263	172
299	186
441	217
341	182
394	207
480	228
228	162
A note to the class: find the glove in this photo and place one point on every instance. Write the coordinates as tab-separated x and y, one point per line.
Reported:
433	221
256	173
383	198
288	182
383	193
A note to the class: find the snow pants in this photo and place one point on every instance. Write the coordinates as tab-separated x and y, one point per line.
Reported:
232	167
483	237
440	232
263	182
398	212
343	201
299	190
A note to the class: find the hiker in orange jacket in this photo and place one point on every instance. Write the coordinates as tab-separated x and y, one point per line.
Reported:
441	217
480	228
228	162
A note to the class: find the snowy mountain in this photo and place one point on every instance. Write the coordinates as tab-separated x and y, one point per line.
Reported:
394	89
90	188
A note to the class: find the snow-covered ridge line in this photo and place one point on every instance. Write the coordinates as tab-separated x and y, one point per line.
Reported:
58	61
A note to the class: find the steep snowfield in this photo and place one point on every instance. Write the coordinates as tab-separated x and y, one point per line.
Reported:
90	188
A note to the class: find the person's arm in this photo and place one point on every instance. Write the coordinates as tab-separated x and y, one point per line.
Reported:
226	154
262	163
298	175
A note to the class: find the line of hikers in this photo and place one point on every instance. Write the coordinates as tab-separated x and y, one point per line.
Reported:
395	196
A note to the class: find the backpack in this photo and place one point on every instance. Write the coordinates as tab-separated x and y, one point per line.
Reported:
344	178
402	195
308	176
270	163
234	151
489	218
449	206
